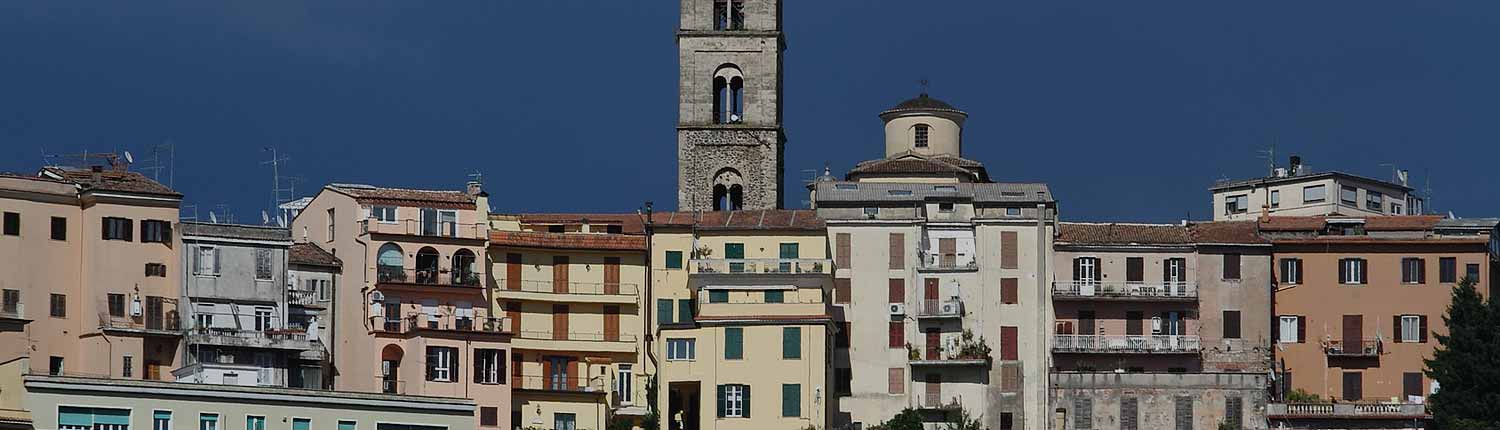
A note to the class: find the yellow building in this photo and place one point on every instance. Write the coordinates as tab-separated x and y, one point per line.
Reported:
741	319
572	284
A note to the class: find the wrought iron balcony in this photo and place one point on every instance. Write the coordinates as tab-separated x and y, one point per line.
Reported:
560	287
766	266
947	308
159	325
273	338
415	323
1086	290
576	336
411	227
305	298
1346	410
558	383
1367	347
428	276
1127	344
945	262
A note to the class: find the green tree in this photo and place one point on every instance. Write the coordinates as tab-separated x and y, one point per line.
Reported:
1466	363
907	419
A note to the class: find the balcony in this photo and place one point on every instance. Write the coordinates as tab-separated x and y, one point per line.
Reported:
413	227
1367	347
761	266
1085	290
305	298
415	324
935	309
579	292
268	339
428	276
548	340
13	311
151	325
558	384
1359	411
1153	344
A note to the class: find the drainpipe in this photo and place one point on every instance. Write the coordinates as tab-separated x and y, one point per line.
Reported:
649	229
1043	297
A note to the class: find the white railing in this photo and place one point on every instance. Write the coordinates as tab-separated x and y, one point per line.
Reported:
770	266
1373	410
1126	343
1125	289
941	308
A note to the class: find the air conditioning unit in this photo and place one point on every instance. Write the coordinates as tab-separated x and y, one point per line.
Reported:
950	308
898	309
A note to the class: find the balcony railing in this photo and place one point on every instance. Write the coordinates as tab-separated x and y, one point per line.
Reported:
1367	347
554	287
391	386
304	298
275	338
576	335
929	261
152	324
1144	344
446	323
950	308
1125	290
1346	410
768	266
411	227
558	383
451	278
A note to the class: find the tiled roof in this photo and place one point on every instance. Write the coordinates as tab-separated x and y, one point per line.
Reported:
911	163
110	180
1372	223
312	255
922	102
988	192
234	231
629	223
401	196
594	241
1122	234
772	219
1226	232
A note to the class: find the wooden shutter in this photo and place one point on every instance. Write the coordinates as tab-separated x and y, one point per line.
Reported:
560	322
841	293
1343	270
791	343
896	338
612	323
1353	386
948	251
934	344
1135	269
1411	384
734	343
841	250
1301	328
1364	271
663	311
1231	324
104	228
560	274
897	251
1009	250
1008	339
896	290
1077	269
1133	321
611	275
1129	414
934	383
930	289
513	311
746	389
1422	326
722	400
1234	411
513	272
895	380
1231	266
1010	377
684	310
1008	293
1353	330
1086	323
1396	329
791	400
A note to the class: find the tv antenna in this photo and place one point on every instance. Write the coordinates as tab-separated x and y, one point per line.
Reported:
155	165
279	194
182	213
1269	154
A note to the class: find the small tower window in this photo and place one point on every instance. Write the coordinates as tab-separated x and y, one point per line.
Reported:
920	135
729	15
729	95
729	194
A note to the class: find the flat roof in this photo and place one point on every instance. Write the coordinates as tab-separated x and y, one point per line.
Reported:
1272	180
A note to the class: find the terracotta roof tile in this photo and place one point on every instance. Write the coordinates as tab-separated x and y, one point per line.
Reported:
1122	234
595	241
630	223
311	255
771	219
916	163
1236	232
1372	223
398	196
110	180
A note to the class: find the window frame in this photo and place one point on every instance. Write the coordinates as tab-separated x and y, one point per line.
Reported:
1414	329
264	256
1353	271
921	135
1281	327
1344	198
12	224
379	212
1321	189
59	229
487	364
445	357
1236	204
57	305
682	349
734	401
1275	199
1374	201
1413	271
672	259
1294	266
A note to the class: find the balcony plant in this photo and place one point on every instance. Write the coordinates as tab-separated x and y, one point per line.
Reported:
972	348
912	353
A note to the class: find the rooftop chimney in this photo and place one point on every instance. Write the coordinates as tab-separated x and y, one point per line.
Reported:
474	188
95	172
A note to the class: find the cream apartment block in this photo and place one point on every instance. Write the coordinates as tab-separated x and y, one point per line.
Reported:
942	278
1296	191
572	287
415	315
101	283
1160	326
742	320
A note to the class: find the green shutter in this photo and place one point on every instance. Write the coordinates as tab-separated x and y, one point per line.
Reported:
791	343
747	400
789	250
71	416
722	398
718	296
734	250
674	259
663	311
734	343
301	424
775	296
791	400
685	310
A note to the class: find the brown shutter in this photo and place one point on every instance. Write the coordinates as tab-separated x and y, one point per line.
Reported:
1396	328
1411	384
898	251
1353	386
1133	322
1009	257
513	311
841	291
560	274
895	382
1086	323
930	289
546	381
611	275
1353	331
1008	293
948	251
1301	328
1422	325
934	343
934	383
1231	324
1231	266
1008	347
841	250
513	272
897	335
1010	377
1135	269
897	290
560	322
612	323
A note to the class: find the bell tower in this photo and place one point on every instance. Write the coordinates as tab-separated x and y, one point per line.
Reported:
729	136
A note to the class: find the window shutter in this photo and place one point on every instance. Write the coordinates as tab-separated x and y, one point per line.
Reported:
1009	257
1276	329
1343	271
1302	329
897	291
722	399
145	235
1364	271
104	228
1231	324
663	311
684	310
129	229
791	400
895	382
898	251
1231	266
477	369
734	343
747	400
1421	271
166	232
1422	325
1077	267
1135	269
897	335
1008	293
1396	328
1008	350
216	260
791	343
841	293
432	360
841	257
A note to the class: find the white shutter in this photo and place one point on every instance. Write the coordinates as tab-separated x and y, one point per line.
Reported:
196	257
216	261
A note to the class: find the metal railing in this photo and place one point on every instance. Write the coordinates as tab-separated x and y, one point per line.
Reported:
1125	289
1367	347
391	386
162	324
419	322
576	335
928	261
429	276
285	338
769	266
553	287
1373	410
558	383
411	227
304	298
941	308
1126	343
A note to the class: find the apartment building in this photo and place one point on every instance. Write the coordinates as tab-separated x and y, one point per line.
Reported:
1160	326
742	319
236	293
1359	301
311	276
941	278
1298	191
415	316
100	290
572	285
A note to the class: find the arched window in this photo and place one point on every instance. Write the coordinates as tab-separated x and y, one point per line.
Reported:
729	95
427	265
390	263
463	268
729	15
729	191
919	135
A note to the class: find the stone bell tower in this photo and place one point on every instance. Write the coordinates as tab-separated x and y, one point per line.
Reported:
729	135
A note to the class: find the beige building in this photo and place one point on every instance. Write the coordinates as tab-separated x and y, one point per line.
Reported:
100	287
1297	191
572	286
941	277
1160	326
741	320
415	315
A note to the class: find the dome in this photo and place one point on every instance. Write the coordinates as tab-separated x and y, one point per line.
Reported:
923	103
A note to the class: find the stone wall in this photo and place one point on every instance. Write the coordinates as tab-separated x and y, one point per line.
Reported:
754	153
1159	400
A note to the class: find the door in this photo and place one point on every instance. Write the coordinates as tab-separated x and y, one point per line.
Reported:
930	303
513	272
265	369
559	322
557	376
1133	321
788	255
948	249
155	313
934	383
1086	323
734	252
153	370
934	342
1353	386
560	274
429	222
624	384
611	275
388	370
562	421
1174	275
612	323
1354	327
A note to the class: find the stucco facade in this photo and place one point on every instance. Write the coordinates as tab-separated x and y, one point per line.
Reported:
1312	194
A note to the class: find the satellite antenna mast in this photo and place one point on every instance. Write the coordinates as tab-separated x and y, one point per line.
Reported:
1270	155
276	190
155	165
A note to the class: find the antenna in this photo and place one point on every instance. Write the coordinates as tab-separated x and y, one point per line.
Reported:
155	165
277	192
1270	155
265	218
925	84
181	215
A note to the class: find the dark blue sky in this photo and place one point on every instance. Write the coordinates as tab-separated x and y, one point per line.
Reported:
1130	110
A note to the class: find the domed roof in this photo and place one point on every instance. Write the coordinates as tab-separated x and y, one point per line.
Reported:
923	103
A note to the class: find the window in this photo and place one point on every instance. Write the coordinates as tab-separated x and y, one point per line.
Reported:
1287	330
1396	209
262	319
896	338
83	418
729	95
1374	201
489	364
1236	204
161	420
263	264
1183	412
386	214
1008	421
207	261
154	231
442	362
208	421
1471	272
127	366
791	400
156	269
1448	270
564	421
118	229
791	343
734	401
718	296
682	349
351	425
12	224
729	15
1135	269
324	293
59	228
872	211
1231	266
1234	411
1349	196
919	138
255	423
735	251
1008	291
775	296
59	306
1083	410
204	315
330	224
1012	211
12	302
1314	194
1352	271
55	366
301	424
625	383
116	304
1413	271
674	259
1275	199
842	291
843	382
1291	271
1411	384
895	381
734	343
1410	327
1086	270
1231	324
945	208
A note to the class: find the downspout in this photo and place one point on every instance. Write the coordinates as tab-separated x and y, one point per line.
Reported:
1045	329
649	230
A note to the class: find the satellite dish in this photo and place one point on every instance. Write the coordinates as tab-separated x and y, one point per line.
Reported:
129	158
281	221
212	218
264	219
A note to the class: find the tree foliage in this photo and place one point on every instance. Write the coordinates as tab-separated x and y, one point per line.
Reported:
911	419
1466	363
